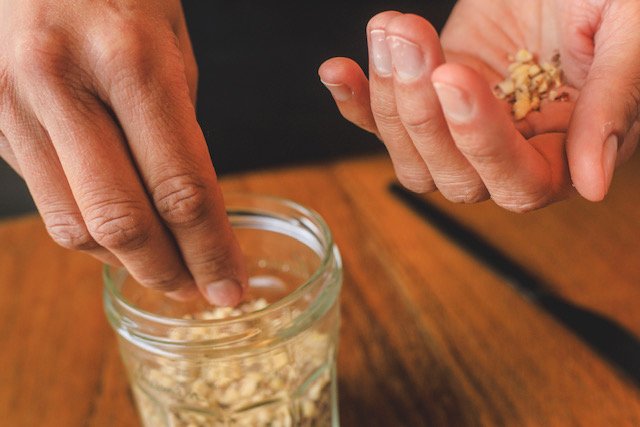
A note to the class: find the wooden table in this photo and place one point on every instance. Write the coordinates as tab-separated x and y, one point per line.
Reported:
430	335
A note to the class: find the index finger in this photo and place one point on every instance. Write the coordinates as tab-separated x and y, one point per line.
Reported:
145	82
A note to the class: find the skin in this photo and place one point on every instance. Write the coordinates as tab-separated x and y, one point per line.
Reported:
430	101
97	115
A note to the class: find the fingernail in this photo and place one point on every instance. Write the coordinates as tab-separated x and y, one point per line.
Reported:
224	293
456	105
609	156
340	92
380	53
407	58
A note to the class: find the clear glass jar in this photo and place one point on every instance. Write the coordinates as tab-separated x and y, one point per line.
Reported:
275	366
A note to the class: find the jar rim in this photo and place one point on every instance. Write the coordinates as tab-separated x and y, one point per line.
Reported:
328	249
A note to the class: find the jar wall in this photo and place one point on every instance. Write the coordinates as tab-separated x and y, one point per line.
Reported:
290	384
270	362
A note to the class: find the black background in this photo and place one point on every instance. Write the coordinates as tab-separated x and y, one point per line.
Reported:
260	100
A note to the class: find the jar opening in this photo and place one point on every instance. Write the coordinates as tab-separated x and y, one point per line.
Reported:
292	264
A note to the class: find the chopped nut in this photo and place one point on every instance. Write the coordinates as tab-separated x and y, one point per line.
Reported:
529	83
522	92
507	87
543	87
538	80
534	70
523	55
520	74
535	103
521	108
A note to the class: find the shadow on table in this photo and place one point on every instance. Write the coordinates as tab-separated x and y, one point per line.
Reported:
610	340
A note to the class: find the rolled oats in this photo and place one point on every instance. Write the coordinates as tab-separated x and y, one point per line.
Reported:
258	389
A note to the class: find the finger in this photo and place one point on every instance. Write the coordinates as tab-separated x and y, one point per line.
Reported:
89	146
609	101
7	154
188	57
554	116
630	143
173	13
410	169
416	52
350	90
518	176
151	100
114	206
33	154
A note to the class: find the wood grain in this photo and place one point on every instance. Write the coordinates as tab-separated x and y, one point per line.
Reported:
587	252
430	336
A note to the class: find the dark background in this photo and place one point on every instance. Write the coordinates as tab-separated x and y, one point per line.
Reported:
260	101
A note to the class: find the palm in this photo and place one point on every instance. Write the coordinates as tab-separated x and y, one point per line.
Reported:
463	141
483	39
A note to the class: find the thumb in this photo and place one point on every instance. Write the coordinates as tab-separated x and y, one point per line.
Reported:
600	133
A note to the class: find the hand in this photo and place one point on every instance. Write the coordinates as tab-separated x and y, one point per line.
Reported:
97	115
432	105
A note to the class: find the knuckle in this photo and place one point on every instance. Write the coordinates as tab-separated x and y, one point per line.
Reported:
391	128
216	261
386	119
416	182
118	225
124	50
522	204
418	187
42	55
385	110
466	194
182	200
421	121
128	52
478	150
69	231
519	208
423	125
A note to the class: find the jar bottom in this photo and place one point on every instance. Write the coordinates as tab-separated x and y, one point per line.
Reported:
313	407
292	384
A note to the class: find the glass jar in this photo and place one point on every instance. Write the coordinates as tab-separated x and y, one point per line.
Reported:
271	362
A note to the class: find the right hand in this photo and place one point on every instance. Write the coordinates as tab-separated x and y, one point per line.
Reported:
430	99
97	116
